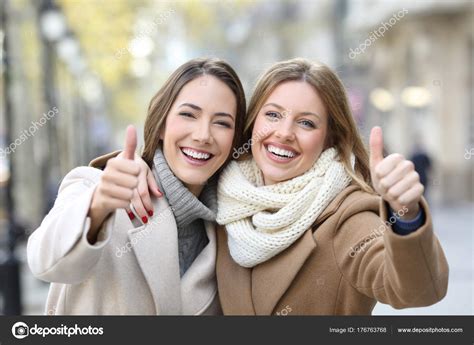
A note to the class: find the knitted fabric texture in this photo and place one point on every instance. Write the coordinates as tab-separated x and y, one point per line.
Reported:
189	211
262	221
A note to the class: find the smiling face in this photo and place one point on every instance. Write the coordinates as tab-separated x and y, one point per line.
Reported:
289	132
199	129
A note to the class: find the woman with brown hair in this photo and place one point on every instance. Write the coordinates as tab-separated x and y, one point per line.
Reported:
159	259
309	223
303	229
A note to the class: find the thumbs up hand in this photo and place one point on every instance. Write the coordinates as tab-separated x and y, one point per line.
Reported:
394	178
116	187
147	185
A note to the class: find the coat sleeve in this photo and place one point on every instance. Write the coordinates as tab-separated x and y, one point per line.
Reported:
58	251
401	270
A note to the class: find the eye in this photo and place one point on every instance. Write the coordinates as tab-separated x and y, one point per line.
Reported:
272	115
186	114
223	124
308	123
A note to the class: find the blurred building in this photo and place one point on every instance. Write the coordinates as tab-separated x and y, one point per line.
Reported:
417	78
54	114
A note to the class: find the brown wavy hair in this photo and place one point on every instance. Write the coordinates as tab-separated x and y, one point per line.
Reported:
342	130
163	100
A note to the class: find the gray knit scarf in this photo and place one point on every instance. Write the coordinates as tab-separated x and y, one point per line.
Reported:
189	211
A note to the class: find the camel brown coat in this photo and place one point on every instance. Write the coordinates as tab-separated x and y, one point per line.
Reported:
328	272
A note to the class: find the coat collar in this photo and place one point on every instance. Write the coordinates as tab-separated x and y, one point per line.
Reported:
259	289
101	161
156	248
268	284
198	284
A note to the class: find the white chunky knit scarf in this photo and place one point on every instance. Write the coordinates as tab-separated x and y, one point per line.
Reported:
262	221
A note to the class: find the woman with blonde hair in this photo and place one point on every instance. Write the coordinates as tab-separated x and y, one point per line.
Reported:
310	224
103	256
303	230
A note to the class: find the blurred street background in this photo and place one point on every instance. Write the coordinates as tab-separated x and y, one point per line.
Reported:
75	73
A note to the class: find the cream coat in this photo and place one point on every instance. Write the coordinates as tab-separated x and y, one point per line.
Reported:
132	269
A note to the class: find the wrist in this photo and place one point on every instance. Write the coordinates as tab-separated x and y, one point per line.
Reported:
97	215
413	211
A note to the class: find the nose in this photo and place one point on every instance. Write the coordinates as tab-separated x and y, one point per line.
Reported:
202	132
284	130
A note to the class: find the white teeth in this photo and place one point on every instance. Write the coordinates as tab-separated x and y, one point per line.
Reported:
195	154
280	152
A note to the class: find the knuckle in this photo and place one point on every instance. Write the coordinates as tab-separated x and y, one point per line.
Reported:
102	179
142	192
408	165
105	176
421	188
399	157
392	194
135	182
111	163
103	188
378	171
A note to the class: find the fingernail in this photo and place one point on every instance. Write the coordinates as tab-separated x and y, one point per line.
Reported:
150	213
145	219
131	215
159	192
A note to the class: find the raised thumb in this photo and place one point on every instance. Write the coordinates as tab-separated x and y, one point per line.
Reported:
130	143
376	146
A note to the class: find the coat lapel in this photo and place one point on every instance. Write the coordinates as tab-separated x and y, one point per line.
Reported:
272	278
156	247
234	281
101	162
198	284
256	291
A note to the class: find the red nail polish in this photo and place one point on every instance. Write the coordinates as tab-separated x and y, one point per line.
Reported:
131	215
150	213
145	219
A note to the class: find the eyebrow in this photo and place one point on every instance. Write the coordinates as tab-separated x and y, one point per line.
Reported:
195	107
302	113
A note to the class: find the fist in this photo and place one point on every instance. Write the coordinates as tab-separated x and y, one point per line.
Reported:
394	178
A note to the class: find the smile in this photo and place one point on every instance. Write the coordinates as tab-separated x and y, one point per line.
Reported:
279	154
196	157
